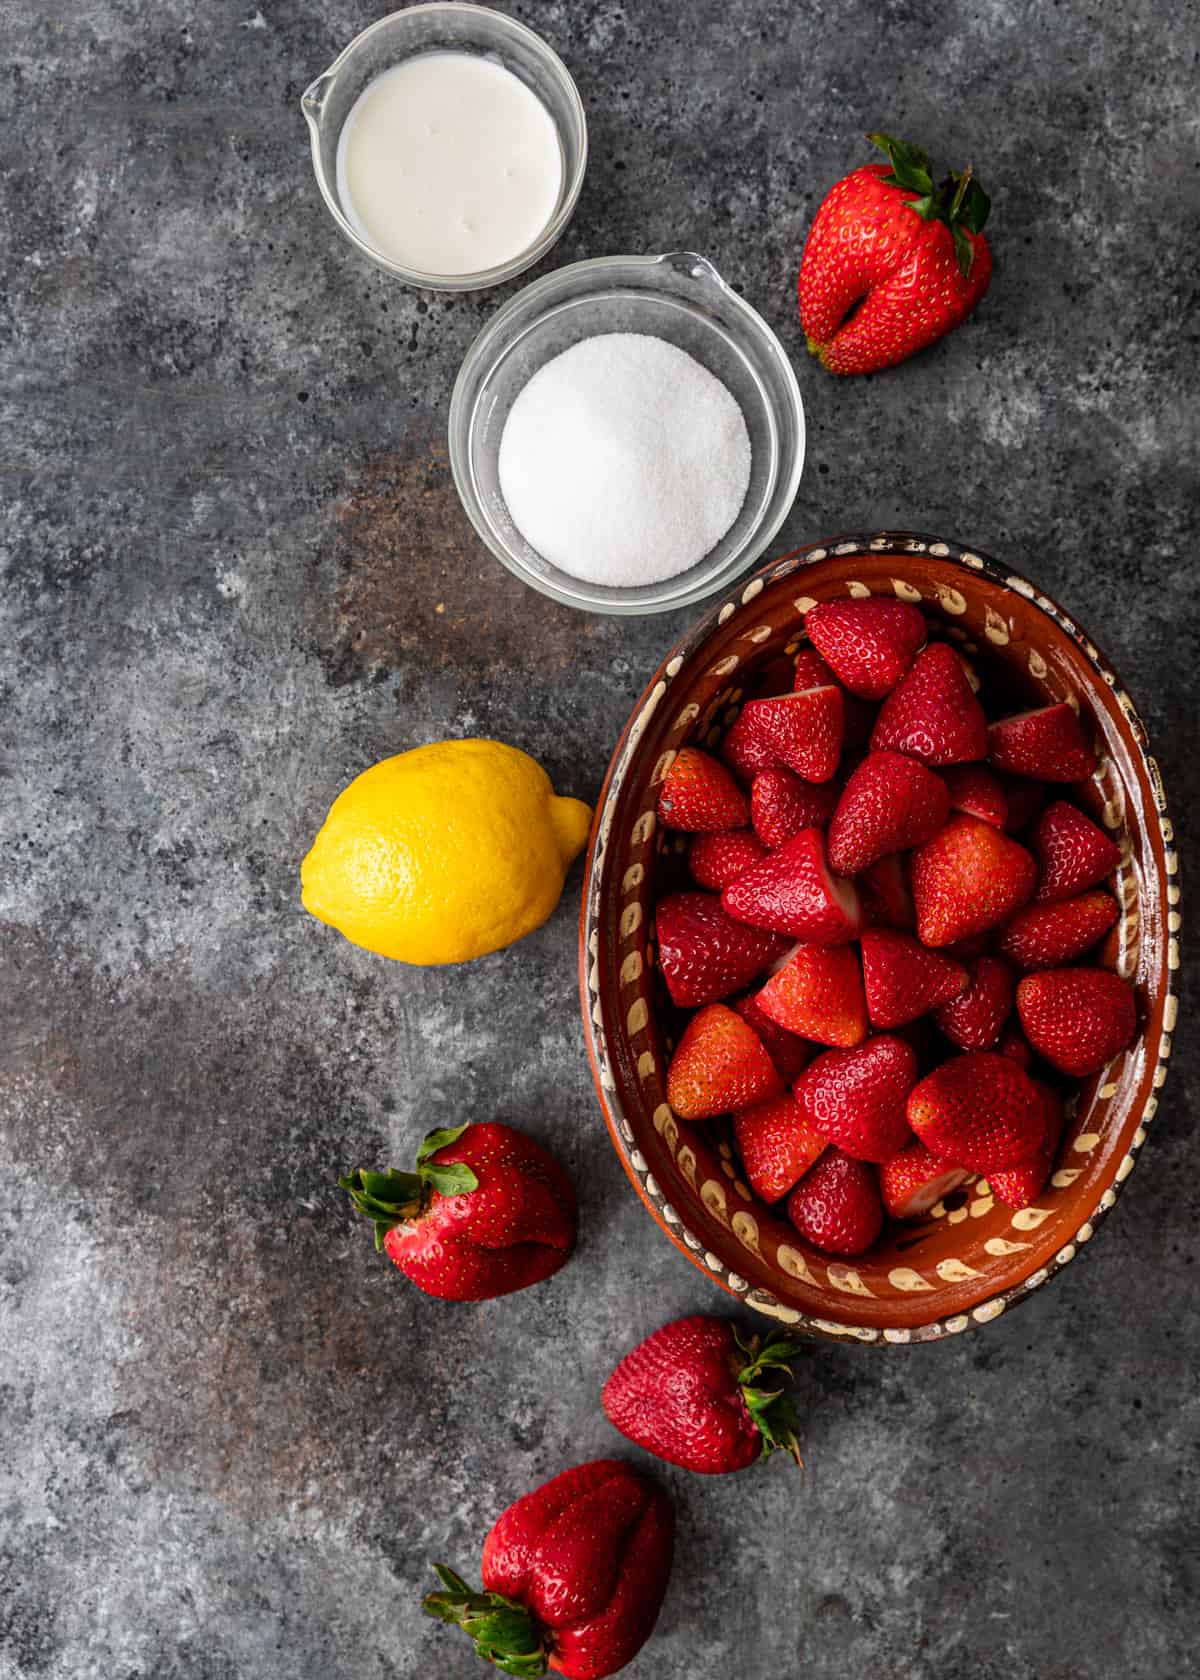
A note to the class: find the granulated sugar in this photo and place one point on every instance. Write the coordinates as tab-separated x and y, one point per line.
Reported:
624	461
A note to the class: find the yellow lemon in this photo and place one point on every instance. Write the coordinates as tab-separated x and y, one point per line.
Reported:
443	853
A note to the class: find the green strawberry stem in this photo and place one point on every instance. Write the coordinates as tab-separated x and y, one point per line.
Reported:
393	1198
504	1632
959	200
771	1410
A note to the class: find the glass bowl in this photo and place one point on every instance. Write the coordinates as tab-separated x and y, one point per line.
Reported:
447	25
679	297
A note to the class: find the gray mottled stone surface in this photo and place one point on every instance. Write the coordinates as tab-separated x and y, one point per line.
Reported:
234	574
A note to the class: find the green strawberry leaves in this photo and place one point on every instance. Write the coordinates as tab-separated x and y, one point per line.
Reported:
959	200
771	1410
392	1198
504	1633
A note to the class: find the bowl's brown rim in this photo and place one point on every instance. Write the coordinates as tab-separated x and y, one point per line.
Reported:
969	560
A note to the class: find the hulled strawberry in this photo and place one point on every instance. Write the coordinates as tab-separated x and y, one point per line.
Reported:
810	670
903	980
890	803
980	1111
1077	1018
1072	853
487	1211
704	953
836	1205
933	714
700	796
818	994
975	1018
719	1065
692	1395
869	644
745	750
717	859
1018	1186
856	1098
781	805
791	1055
892	262
968	878
974	789
1047	935
777	1145
1047	744
884	892
803	729
915	1180
574	1575
793	891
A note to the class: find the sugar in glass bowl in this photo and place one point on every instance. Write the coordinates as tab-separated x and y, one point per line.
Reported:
679	297
971	1258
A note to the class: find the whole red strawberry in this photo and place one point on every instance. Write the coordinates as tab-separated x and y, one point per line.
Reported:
897	259
704	954
903	980
968	878
699	795
1047	935
781	804
1077	1018
868	643
1072	853
777	1145
804	729
574	1576
932	713
836	1205
975	1018
891	803
1048	744
915	1180
719	1065
980	1111
717	859
793	891
690	1394
856	1098
486	1212
818	994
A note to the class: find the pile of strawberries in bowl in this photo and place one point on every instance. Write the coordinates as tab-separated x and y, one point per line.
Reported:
799	993
885	950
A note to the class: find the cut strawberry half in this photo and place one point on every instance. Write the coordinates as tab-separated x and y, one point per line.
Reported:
804	729
818	994
890	804
855	1098
717	859
704	953
886	899
791	1055
719	1066
781	804
916	1180
836	1205
1048	935
1047	743
975	1019
980	1111
903	980
1072	853
793	891
975	789
868	643
968	878
1077	1018
777	1146
933	713
699	795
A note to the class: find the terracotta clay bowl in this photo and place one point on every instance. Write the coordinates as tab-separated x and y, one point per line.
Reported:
971	1258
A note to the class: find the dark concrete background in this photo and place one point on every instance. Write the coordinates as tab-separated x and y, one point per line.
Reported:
235	574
